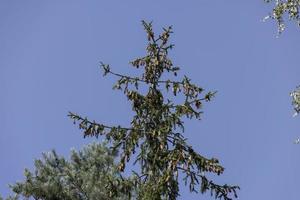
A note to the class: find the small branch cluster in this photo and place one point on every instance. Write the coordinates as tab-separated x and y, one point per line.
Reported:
296	100
296	104
282	7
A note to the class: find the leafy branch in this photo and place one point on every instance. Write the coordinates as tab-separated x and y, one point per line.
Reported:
281	8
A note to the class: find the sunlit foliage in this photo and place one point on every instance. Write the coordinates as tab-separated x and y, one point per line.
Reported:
282	8
296	100
90	174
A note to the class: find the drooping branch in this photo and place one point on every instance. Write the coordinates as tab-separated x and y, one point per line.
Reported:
91	128
219	191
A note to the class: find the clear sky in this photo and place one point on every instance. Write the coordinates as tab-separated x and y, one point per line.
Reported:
49	65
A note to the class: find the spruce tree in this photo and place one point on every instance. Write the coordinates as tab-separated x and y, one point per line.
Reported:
155	137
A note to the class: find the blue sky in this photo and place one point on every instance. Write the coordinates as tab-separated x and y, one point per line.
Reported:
49	65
